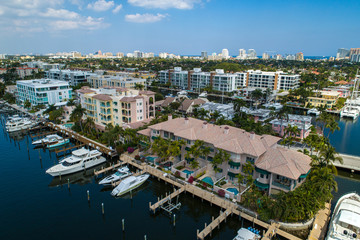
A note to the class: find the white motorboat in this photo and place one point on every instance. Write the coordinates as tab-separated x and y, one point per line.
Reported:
18	125
49	139
182	93
203	95
121	173
313	111
129	184
79	160
349	112
247	234
351	109
345	220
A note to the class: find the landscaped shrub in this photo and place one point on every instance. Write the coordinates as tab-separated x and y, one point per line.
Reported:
137	157
180	167
177	174
221	193
191	179
205	185
130	150
119	149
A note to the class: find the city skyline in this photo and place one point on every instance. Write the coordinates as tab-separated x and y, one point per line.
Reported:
183	27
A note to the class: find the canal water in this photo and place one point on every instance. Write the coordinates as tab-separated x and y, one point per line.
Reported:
34	205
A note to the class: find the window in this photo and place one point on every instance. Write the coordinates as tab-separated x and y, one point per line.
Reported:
250	160
166	134
188	142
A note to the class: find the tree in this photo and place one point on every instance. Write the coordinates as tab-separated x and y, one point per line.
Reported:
77	114
215	115
195	151
139	86
238	104
327	156
89	125
220	157
56	114
325	118
27	104
256	95
333	126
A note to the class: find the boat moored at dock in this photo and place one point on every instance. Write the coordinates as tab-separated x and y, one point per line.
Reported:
79	160
59	143
129	184
345	220
247	234
49	139
19	124
121	173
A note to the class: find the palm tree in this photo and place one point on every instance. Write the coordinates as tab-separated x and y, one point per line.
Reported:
333	126
238	104
324	118
256	95
215	115
139	86
281	115
89	124
220	157
328	156
77	114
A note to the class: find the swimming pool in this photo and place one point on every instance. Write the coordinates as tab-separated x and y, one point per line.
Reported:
151	158
233	190
208	180
68	125
188	172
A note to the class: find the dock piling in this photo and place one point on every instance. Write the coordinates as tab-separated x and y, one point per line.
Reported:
174	219
102	208
88	195
123	224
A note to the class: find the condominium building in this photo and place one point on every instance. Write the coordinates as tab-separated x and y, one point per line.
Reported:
43	91
276	168
326	99
355	54
117	106
227	82
72	77
123	81
342	53
300	56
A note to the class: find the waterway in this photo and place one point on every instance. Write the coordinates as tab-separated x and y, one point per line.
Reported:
34	205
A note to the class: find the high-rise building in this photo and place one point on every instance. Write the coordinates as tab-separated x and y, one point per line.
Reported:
204	54
355	54
265	56
300	56
242	54
225	53
342	53
74	78
120	54
290	57
251	54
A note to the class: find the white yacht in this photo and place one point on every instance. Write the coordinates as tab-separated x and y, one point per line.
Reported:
129	184
18	125
247	234
351	108
182	93
349	112
345	220
49	139
203	95
79	160
313	111
121	173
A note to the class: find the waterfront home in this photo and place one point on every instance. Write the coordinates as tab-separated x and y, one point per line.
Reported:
188	105
260	115
343	90
117	106
303	123
326	99
275	168
43	91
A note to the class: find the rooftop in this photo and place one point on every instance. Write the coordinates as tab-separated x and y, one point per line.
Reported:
43	82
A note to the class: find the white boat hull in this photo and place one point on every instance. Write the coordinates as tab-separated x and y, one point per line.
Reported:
58	170
138	184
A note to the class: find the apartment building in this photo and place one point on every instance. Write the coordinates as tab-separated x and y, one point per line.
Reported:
122	81
117	106
324	98
74	78
43	91
276	168
227	82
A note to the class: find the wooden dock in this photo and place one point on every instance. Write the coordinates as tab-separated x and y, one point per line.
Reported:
104	170
271	231
215	223
158	204
42	134
207	196
320	223
69	148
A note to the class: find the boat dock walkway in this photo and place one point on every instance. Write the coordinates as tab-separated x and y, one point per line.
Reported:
271	231
89	142
111	168
230	207
159	203
351	162
69	148
215	223
320	223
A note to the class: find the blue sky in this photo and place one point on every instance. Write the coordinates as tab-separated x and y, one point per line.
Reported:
317	27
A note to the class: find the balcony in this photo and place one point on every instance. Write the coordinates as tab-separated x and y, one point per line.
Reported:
281	184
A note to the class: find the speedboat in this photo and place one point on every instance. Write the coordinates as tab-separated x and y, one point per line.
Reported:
129	184
313	111
203	95
121	173
79	160
49	139
182	93
18	125
58	143
248	234
345	220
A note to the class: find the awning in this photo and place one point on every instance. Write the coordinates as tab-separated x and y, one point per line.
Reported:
153	137
304	175
261	185
235	164
231	174
261	171
187	148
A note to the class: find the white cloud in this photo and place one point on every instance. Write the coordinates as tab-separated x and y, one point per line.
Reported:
165	4
101	5
144	18
89	23
117	8
59	13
